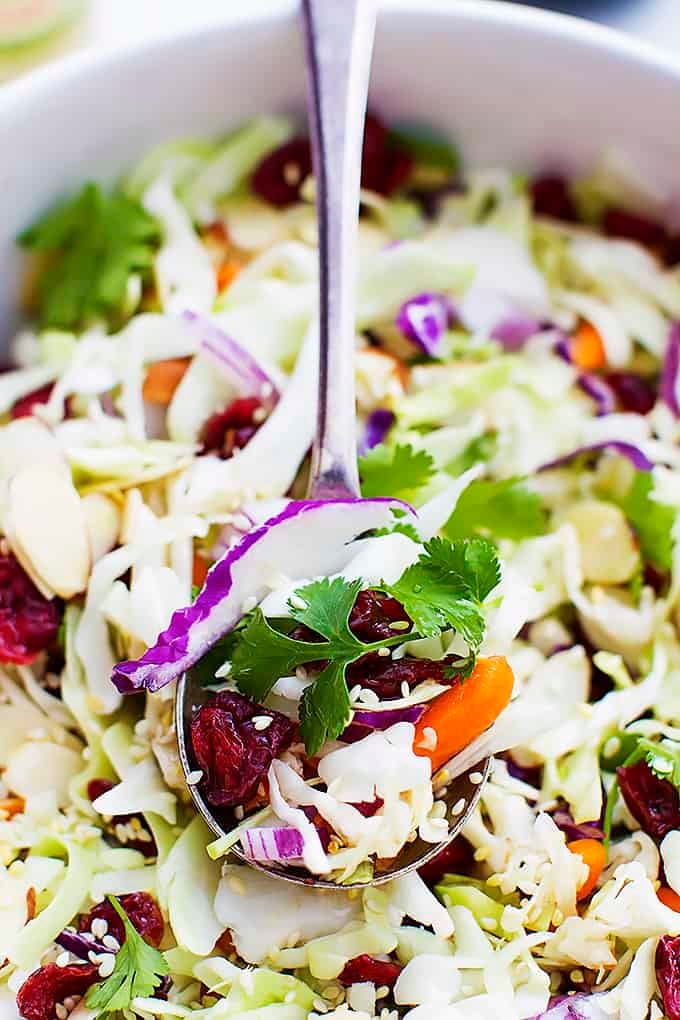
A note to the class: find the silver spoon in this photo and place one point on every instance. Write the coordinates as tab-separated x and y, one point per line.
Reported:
339	42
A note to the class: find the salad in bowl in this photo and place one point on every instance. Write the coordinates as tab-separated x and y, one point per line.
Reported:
506	588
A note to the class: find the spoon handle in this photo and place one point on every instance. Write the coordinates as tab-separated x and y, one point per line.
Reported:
339	41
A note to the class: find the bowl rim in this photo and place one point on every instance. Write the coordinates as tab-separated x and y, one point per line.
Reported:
68	70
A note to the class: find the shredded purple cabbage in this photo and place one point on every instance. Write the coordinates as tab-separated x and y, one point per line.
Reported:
669	386
365	723
273	844
378	424
513	331
638	459
563	819
239	364
581	1006
79	943
424	319
241	575
601	392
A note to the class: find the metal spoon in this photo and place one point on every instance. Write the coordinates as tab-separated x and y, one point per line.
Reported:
339	42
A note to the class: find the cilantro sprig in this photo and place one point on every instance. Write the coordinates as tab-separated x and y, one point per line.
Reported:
501	509
92	243
138	971
444	589
397	471
662	758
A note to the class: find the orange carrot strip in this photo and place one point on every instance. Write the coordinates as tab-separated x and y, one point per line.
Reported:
227	273
199	571
456	717
162	379
668	897
594	856
12	806
586	348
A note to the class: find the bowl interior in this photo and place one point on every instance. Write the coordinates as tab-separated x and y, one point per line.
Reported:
511	85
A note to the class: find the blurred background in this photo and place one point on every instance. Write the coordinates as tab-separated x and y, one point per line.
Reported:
35	31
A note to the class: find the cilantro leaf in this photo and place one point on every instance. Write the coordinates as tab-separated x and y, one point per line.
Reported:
397	471
326	609
502	509
652	521
94	242
446	587
262	655
138	971
325	708
663	759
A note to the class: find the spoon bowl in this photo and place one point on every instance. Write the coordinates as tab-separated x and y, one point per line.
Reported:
460	796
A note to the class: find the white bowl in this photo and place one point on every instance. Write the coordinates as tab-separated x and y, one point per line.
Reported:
512	85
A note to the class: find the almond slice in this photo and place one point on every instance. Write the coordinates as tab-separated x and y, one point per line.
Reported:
46	528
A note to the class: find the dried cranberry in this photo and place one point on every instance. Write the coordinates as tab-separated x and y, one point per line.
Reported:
383	168
550	196
48	986
146	845
233	755
454	859
368	808
23	407
653	802
386	676
668	974
281	174
28	621
632	392
373	614
671	251
233	428
143	913
367	968
618	222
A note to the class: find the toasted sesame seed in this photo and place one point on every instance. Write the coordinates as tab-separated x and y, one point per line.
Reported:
476	778
99	927
355	692
385	653
194	777
400	625
106	966
63	959
262	722
61	1011
381	992
405	689
458	807
111	942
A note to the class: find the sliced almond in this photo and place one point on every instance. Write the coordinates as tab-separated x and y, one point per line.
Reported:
46	528
28	441
103	522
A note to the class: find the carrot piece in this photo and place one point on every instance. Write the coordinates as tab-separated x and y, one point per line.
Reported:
668	897
162	379
456	717
586	348
594	856
227	273
199	570
11	806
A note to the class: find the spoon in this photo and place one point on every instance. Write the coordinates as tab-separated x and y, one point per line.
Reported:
339	42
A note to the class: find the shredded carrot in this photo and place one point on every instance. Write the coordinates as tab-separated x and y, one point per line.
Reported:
458	716
162	379
668	897
12	806
594	856
199	571
227	273
586	348
30	903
